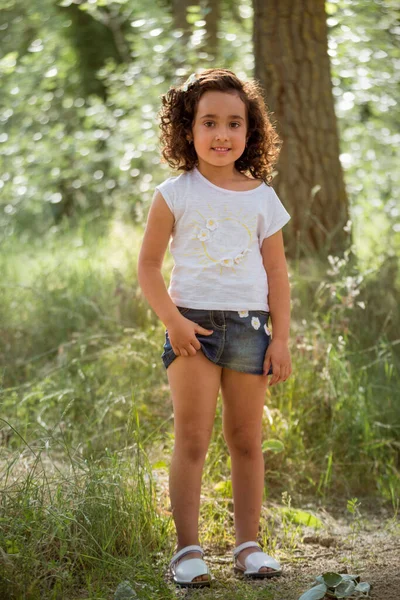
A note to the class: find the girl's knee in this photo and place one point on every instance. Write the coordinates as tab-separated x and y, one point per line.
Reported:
243	444
192	446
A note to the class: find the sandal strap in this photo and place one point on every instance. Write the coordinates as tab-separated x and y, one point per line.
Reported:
184	551
245	545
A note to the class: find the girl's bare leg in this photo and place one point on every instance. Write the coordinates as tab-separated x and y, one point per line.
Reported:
194	382
243	403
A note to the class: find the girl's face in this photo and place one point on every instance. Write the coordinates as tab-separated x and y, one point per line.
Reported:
219	128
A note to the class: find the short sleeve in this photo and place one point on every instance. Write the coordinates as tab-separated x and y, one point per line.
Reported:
166	188
273	215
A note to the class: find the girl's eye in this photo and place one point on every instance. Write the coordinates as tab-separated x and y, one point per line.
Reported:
212	122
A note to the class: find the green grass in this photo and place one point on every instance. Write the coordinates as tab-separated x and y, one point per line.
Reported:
86	419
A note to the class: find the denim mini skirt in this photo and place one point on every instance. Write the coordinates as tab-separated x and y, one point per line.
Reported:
239	340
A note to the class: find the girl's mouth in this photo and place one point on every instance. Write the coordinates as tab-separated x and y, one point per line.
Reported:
221	150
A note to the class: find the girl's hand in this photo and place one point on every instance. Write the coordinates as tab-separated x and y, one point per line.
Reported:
182	335
278	355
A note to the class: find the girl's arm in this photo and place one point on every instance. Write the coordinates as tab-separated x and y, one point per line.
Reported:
182	331
278	354
274	260
160	222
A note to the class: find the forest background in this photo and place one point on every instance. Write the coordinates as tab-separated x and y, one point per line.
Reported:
86	428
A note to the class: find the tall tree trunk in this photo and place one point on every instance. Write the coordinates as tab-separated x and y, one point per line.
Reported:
94	42
292	64
212	18
179	10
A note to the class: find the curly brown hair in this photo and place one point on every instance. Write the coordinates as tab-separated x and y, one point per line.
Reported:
178	112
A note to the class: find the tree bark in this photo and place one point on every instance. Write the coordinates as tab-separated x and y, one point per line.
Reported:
212	19
292	65
179	11
94	42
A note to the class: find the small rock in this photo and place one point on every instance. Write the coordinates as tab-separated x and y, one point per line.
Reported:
327	542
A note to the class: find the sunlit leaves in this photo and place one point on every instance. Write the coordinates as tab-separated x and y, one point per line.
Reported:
365	59
47	120
61	145
8	63
271	445
301	517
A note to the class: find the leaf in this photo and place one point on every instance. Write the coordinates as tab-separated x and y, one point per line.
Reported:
8	63
224	488
12	547
315	593
301	517
125	592
273	446
363	587
346	577
345	589
159	464
332	580
330	8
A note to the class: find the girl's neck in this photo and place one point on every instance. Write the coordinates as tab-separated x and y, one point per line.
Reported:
220	175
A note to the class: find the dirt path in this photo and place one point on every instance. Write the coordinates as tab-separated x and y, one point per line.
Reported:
372	552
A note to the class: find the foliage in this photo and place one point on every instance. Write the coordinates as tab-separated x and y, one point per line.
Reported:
333	585
68	150
81	373
64	525
76	332
365	53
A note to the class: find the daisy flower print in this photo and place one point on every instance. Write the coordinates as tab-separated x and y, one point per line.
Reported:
243	313
212	224
224	237
203	235
226	262
267	331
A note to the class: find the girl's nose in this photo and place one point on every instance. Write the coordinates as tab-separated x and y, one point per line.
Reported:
220	135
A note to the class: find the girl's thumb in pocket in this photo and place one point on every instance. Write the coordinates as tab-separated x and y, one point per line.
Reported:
204	331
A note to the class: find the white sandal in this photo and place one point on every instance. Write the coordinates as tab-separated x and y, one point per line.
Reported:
188	569
254	561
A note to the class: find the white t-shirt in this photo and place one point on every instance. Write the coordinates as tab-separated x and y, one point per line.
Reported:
216	242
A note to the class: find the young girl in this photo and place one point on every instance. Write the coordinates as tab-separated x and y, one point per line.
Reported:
229	275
